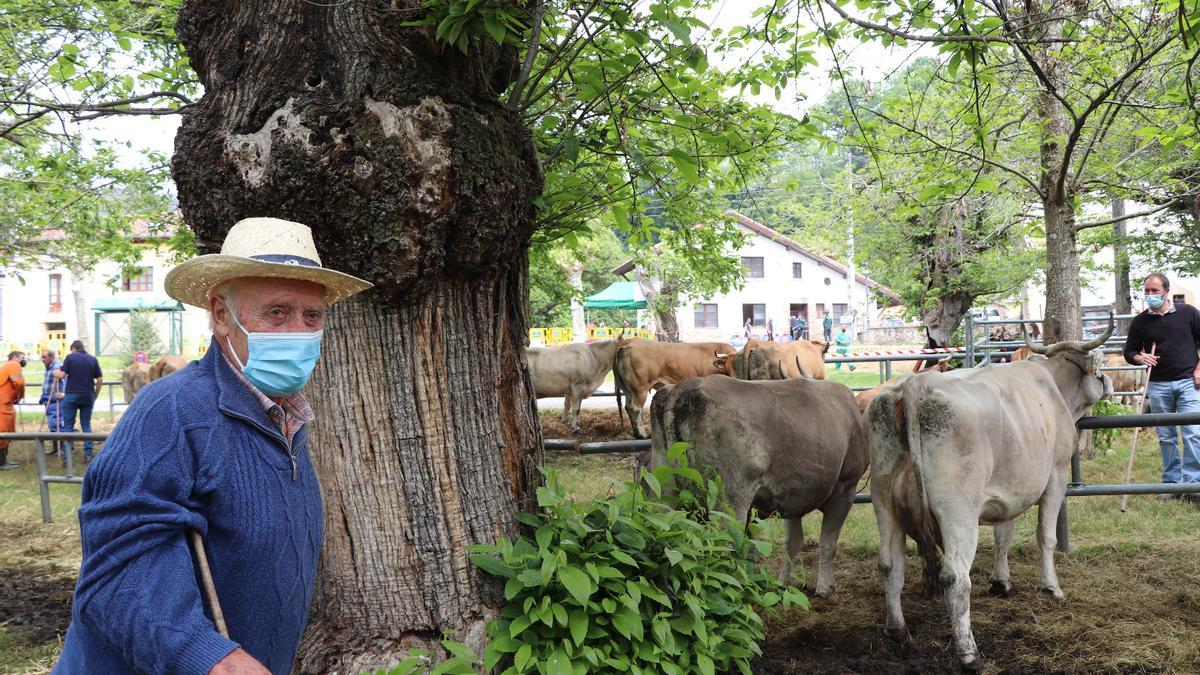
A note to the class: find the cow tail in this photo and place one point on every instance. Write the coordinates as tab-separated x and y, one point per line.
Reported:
619	384
928	536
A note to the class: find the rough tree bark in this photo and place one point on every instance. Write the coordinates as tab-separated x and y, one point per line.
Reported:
1063	301
666	324
412	175
1123	303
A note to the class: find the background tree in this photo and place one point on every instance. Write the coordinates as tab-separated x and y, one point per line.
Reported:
1044	84
407	149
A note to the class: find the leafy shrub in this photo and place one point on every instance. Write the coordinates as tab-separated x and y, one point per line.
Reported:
666	582
1103	438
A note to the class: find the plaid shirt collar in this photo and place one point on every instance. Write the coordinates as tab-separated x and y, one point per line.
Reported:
290	415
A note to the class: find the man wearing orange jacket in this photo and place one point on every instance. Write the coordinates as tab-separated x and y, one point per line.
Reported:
12	390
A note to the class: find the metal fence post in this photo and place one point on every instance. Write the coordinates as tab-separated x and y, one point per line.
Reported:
43	488
969	338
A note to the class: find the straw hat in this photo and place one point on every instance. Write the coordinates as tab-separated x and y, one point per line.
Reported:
260	247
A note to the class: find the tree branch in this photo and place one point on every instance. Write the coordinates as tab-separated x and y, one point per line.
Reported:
1139	214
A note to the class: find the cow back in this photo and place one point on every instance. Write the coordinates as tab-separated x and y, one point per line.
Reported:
787	442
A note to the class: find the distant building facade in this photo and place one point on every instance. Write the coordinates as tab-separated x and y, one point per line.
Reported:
783	279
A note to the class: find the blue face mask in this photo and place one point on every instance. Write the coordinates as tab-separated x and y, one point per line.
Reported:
279	364
1154	301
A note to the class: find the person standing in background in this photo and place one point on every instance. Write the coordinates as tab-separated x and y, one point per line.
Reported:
12	390
82	372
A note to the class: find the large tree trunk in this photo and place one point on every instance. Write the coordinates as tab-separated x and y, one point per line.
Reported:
666	324
79	281
1122	303
411	174
574	271
1063	304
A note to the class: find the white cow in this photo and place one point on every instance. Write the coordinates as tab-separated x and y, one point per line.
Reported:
571	371
951	451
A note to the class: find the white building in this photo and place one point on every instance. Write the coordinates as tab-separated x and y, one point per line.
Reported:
783	279
49	307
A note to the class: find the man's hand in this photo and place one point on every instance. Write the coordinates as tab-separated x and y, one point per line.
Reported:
59	395
238	662
1145	359
1196	377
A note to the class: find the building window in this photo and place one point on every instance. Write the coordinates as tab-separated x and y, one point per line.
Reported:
754	267
756	313
706	315
55	293
839	309
827	281
143	281
797	270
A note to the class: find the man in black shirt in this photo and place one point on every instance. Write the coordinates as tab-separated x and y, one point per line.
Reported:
84	379
1172	331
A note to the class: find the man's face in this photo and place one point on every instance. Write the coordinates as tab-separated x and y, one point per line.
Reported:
268	306
1153	286
18	357
47	359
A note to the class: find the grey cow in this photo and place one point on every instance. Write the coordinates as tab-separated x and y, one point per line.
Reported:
951	451
571	371
782	446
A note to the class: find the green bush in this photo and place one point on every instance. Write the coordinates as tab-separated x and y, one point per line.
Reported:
665	582
1103	438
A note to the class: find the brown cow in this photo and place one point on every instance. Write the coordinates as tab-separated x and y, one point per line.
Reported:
1124	380
133	379
641	366
165	365
762	360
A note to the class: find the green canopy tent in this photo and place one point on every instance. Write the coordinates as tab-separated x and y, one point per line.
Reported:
619	295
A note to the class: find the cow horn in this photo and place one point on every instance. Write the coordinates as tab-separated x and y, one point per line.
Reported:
1036	349
1092	344
803	373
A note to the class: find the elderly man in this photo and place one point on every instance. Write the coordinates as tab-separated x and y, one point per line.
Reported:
12	390
219	448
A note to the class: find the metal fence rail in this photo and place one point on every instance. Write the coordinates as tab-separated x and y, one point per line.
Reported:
45	478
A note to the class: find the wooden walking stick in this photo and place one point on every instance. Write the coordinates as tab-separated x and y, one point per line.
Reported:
210	589
1136	430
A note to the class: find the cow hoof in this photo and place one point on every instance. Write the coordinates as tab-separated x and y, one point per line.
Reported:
1053	593
1001	589
971	665
898	634
824	593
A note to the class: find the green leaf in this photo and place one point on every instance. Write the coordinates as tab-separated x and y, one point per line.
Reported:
577	583
629	623
491	565
494	28
685	163
459	650
578	625
523	656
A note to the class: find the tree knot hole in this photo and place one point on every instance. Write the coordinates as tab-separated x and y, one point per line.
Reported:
313	81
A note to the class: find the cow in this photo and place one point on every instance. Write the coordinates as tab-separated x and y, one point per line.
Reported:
165	365
864	398
1125	380
783	446
951	451
133	379
762	360
571	371
641	366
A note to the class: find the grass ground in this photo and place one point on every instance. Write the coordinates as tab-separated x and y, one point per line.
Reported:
1132	582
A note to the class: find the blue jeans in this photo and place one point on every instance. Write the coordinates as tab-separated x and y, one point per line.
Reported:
1177	396
82	404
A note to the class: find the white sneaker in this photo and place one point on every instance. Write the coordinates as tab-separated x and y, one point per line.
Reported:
8	467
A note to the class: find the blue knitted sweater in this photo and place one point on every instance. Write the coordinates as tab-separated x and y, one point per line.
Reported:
194	451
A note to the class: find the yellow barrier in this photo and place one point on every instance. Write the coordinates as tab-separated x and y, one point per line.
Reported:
554	336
